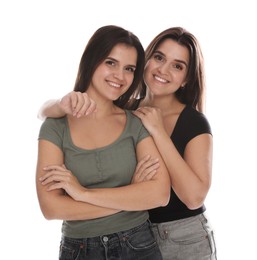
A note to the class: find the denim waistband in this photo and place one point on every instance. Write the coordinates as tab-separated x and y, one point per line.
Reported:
110	238
175	226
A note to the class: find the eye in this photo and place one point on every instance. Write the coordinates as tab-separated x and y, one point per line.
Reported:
158	57
110	62
130	69
178	66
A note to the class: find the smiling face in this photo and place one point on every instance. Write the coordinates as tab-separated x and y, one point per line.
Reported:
166	70
115	74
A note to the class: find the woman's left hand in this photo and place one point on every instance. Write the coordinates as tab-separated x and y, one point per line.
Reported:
59	177
146	169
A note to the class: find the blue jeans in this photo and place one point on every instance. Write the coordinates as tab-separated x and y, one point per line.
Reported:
133	244
186	239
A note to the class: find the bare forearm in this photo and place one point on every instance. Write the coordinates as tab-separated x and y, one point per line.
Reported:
188	185
139	196
51	108
65	208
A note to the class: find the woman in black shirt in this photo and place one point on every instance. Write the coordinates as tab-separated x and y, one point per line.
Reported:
171	108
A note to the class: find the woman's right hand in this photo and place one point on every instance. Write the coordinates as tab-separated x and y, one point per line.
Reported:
145	170
77	104
59	177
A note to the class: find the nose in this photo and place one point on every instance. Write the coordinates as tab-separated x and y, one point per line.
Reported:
163	68
119	74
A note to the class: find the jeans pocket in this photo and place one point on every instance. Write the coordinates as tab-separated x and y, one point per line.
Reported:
68	250
184	232
142	239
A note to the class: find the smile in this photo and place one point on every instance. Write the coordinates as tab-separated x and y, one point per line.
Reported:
115	85
160	79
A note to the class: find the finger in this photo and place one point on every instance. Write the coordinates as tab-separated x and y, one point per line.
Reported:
148	109
49	179
86	105
146	164
53	176
144	172
147	167
140	113
70	100
142	110
73	99
142	161
55	167
52	172
77	101
149	170
92	108
136	113
150	175
55	186
64	167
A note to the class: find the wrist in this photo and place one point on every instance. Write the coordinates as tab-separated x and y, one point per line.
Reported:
60	107
83	195
159	133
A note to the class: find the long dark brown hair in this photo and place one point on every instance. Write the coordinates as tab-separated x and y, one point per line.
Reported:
98	48
193	92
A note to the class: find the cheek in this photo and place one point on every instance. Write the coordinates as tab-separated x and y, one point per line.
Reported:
178	77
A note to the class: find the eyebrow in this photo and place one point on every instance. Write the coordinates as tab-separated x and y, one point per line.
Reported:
180	61
110	58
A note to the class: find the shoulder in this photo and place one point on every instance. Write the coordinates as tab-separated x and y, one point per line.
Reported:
135	127
132	119
195	120
190	124
52	128
54	123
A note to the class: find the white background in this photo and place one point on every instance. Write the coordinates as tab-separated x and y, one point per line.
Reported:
40	48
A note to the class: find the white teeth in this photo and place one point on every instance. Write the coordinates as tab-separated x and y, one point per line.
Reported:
114	84
160	79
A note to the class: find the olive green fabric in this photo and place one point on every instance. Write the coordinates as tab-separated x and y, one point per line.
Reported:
109	166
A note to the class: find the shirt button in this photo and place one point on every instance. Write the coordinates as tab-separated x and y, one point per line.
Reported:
105	239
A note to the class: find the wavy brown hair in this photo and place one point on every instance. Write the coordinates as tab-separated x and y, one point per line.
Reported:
98	48
193	92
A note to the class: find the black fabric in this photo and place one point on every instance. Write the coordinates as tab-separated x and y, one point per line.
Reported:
190	124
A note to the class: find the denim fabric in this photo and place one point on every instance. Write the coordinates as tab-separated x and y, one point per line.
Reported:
133	244
186	239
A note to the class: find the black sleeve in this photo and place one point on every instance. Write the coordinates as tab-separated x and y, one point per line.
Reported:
191	123
197	125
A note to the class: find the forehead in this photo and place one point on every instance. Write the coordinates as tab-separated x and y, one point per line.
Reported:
124	53
173	50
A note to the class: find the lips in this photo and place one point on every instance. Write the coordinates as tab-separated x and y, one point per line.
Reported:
113	84
162	80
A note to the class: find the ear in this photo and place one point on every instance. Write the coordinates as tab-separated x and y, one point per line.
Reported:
183	85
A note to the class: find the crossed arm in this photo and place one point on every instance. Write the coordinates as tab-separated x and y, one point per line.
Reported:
62	197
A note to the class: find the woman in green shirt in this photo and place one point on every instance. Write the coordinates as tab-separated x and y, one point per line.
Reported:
104	215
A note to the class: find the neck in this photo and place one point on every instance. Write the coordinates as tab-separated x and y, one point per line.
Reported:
167	103
105	107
